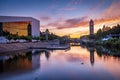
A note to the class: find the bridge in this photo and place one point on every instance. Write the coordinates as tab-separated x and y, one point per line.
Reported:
75	42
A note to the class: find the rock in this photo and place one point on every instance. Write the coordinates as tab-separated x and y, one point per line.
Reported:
82	63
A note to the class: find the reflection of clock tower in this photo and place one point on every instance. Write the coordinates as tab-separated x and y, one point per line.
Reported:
91	27
92	56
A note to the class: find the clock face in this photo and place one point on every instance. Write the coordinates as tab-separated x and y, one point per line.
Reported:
91	23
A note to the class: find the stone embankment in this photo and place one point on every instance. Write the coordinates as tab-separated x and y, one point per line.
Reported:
20	46
36	45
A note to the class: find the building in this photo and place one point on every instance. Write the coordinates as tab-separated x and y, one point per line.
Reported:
91	27
22	26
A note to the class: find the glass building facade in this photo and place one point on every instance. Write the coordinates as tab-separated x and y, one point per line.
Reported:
22	26
19	28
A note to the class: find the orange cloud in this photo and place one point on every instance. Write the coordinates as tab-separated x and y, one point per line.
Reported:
112	11
80	26
69	23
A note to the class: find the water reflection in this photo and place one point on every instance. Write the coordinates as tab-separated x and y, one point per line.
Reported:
92	55
47	54
91	50
77	63
102	51
22	62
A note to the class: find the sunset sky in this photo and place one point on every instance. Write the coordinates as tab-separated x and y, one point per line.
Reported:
65	17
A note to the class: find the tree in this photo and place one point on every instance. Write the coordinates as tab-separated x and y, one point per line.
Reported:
99	34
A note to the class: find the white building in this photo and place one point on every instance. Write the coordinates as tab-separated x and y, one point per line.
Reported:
26	26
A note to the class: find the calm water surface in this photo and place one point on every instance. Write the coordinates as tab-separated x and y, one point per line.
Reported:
76	63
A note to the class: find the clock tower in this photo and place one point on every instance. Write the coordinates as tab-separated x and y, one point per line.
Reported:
91	27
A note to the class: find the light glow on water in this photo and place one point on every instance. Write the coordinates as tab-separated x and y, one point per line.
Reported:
77	63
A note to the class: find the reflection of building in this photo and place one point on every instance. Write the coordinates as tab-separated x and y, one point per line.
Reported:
19	63
26	26
91	27
91	55
47	54
35	61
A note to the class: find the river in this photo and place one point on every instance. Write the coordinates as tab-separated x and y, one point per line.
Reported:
76	63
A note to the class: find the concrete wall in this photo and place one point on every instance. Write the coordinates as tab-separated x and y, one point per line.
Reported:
35	28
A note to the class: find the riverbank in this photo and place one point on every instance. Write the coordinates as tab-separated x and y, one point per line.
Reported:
20	46
52	47
24	46
111	43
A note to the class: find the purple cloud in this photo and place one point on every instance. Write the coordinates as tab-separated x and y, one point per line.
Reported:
45	18
69	23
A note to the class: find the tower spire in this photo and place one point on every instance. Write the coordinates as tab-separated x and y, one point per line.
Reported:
91	27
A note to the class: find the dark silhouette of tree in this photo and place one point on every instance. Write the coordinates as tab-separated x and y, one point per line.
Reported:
107	31
99	34
51	36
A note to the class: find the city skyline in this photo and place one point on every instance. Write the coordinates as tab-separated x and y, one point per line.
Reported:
65	17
